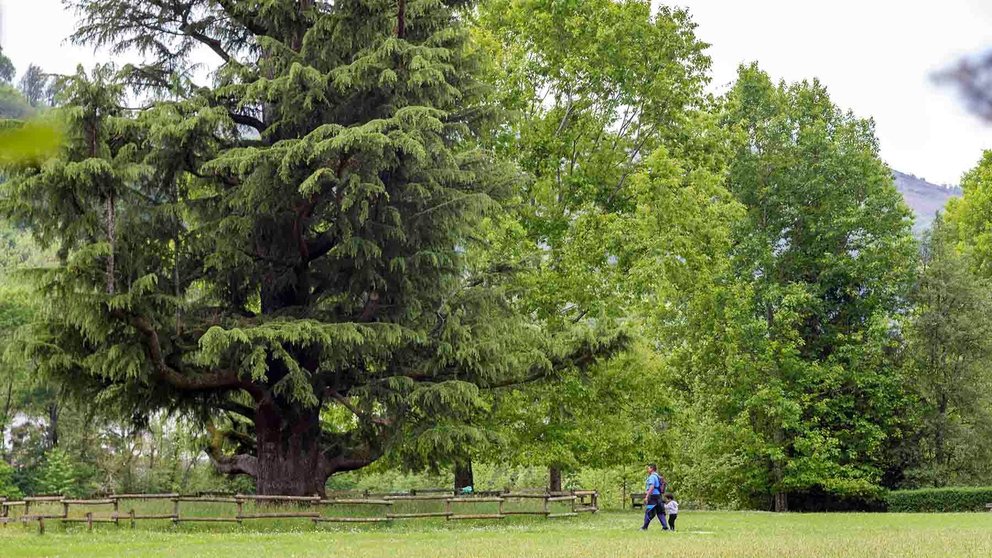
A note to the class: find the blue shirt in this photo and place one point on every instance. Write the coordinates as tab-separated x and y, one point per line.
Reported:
653	486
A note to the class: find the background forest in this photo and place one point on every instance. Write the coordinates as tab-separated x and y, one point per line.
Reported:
514	243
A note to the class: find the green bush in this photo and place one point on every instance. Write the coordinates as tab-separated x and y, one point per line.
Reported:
59	475
953	499
7	487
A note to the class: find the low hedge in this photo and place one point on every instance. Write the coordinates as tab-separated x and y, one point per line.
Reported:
953	499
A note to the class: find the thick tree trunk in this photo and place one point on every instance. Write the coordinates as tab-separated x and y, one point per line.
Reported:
463	475
554	479
781	502
289	458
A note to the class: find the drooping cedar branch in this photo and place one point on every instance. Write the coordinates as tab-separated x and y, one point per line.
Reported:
248	120
218	380
580	357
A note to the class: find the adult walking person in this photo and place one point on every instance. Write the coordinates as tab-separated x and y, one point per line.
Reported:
653	489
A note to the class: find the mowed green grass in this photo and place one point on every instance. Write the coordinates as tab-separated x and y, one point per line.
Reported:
701	534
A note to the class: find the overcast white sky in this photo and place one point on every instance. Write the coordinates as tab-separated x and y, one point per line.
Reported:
875	56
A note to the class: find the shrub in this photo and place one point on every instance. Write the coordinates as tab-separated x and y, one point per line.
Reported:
953	499
59	475
8	488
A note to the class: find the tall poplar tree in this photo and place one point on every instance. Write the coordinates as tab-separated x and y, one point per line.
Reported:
288	260
799	377
621	202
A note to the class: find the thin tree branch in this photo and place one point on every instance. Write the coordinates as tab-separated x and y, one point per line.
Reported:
213	44
232	11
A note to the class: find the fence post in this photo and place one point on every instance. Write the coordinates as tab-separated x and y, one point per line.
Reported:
41	525
89	521
175	511
117	512
131	513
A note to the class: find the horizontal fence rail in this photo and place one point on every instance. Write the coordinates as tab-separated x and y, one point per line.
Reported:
456	506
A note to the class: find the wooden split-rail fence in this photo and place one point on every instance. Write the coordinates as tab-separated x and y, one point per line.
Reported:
455	507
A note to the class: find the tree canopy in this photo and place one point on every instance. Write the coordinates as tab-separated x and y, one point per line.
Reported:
287	245
802	386
411	235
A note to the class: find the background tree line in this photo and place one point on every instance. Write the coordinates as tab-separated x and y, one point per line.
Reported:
512	242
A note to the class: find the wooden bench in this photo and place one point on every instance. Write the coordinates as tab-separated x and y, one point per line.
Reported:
637	500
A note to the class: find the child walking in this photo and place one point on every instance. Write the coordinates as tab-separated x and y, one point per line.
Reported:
672	509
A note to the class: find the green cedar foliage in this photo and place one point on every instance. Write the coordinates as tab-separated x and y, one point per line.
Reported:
796	387
287	253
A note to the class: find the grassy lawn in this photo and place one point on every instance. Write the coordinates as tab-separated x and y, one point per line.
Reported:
743	534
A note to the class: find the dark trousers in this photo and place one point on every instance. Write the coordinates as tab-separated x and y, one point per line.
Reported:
650	513
671	520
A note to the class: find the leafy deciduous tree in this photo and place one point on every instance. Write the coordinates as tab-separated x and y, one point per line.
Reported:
609	137
803	373
949	349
